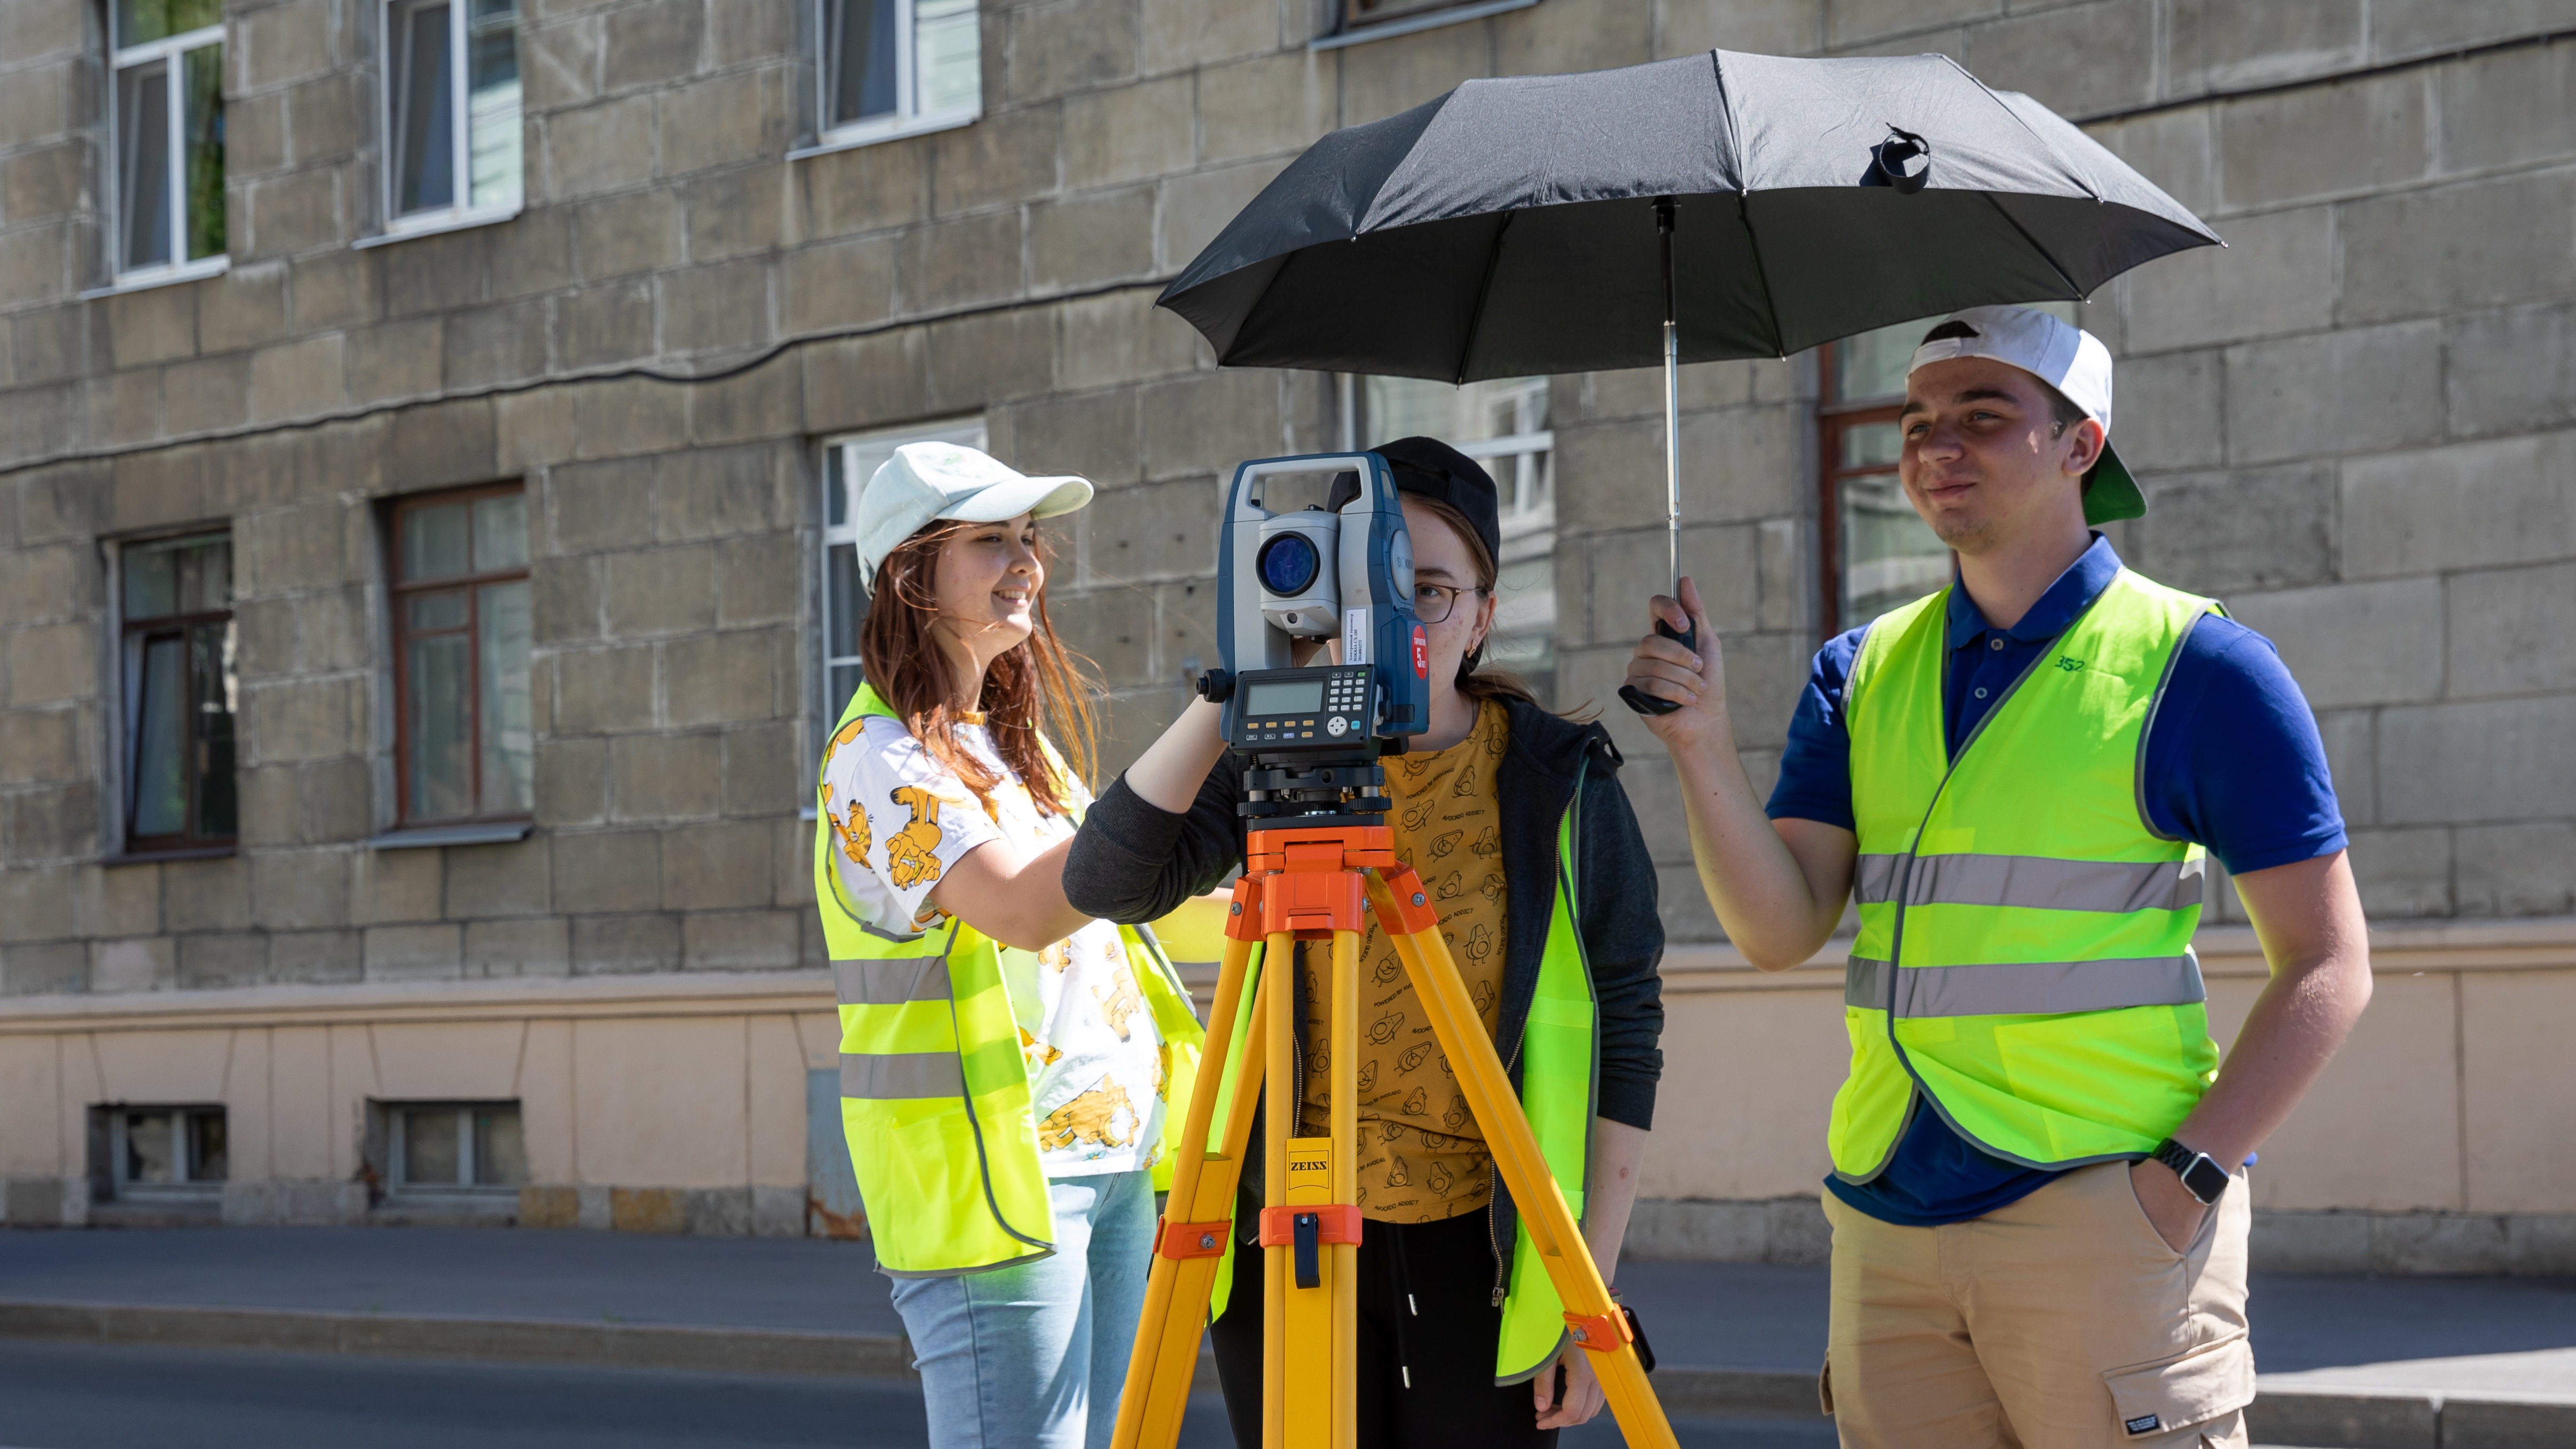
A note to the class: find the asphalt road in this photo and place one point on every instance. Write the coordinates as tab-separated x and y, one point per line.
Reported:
65	1396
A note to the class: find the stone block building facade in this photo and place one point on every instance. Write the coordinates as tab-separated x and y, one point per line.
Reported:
426	427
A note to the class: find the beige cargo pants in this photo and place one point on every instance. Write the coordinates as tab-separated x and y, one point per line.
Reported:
2061	1321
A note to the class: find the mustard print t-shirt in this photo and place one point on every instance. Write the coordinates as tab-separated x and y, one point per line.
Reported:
1099	1072
1422	1157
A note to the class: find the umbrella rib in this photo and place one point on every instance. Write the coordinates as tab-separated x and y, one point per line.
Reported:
1761	273
1476	317
1743	207
2077	292
2083	177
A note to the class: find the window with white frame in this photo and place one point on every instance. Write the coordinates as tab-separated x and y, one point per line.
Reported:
167	122
889	67
166	1149
453	148
454	1146
1502	424
848	464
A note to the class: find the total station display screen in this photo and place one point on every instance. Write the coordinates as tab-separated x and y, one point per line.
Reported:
1284	696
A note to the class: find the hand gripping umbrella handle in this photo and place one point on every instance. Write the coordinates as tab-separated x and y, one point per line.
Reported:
1644	703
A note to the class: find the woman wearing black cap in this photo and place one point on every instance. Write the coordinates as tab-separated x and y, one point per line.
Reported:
1477	806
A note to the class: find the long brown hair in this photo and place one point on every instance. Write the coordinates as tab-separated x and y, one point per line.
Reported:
1036	689
1477	684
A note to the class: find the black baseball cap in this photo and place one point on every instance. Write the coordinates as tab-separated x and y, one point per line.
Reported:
1430	468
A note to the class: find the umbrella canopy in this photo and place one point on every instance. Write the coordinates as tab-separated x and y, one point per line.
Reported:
1509	227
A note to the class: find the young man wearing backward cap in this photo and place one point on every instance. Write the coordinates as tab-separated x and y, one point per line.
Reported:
2038	1195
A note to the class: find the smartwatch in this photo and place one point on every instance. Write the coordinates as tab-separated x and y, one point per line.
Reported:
2201	1177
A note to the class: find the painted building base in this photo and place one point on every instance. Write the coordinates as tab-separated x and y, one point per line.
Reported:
725	1212
708	1103
1792	1230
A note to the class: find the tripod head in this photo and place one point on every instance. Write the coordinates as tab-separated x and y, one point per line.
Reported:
1309	735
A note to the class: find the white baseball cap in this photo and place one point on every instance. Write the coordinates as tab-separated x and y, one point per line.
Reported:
923	482
2065	357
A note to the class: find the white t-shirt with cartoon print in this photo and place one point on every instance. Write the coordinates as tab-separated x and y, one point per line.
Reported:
1099	1076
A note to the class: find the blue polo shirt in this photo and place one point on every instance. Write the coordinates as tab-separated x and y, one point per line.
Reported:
2233	762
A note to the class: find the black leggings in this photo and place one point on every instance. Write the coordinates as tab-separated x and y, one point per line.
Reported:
1447	1344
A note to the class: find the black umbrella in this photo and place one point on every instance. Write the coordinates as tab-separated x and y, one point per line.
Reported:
1715	206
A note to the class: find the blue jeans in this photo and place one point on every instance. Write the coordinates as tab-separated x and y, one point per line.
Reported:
1034	1355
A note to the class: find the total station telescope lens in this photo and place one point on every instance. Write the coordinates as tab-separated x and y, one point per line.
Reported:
1288	564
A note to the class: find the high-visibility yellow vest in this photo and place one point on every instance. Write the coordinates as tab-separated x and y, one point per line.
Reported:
1558	1053
934	1091
2024	963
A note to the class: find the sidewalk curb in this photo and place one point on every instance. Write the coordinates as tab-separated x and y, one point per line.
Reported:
2342	1420
477	1340
2328	1420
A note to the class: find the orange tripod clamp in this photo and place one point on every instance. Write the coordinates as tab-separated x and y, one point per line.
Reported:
1334	1223
1192	1240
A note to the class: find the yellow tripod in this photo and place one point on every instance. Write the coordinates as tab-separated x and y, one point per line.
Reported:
1320	883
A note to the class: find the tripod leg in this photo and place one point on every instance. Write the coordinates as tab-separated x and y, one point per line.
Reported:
1309	1388
1345	1060
1204	1179
1415	930
1279	1089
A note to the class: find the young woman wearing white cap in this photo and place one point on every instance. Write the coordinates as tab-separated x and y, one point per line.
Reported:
1008	1064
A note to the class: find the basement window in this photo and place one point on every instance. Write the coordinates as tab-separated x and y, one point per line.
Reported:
160	1151
447	1147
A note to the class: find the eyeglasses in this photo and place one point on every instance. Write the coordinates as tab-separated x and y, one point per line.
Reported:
1432	603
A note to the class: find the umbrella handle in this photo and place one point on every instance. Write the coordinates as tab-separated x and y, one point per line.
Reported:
1644	703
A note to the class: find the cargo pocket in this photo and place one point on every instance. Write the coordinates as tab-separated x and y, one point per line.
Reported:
2210	1382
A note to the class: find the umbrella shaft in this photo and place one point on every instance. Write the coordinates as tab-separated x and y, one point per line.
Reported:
1672	458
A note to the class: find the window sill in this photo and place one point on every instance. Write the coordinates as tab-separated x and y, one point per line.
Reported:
854	138
1418	23
421	837
155	857
437	226
196	271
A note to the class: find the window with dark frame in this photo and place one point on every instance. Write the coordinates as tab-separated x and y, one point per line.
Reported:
1877	551
167	1149
176	656
464	741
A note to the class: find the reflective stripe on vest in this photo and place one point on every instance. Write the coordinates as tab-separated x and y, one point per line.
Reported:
2024	988
1560	1080
2024	964
890	982
2034	882
893	1076
934	1089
